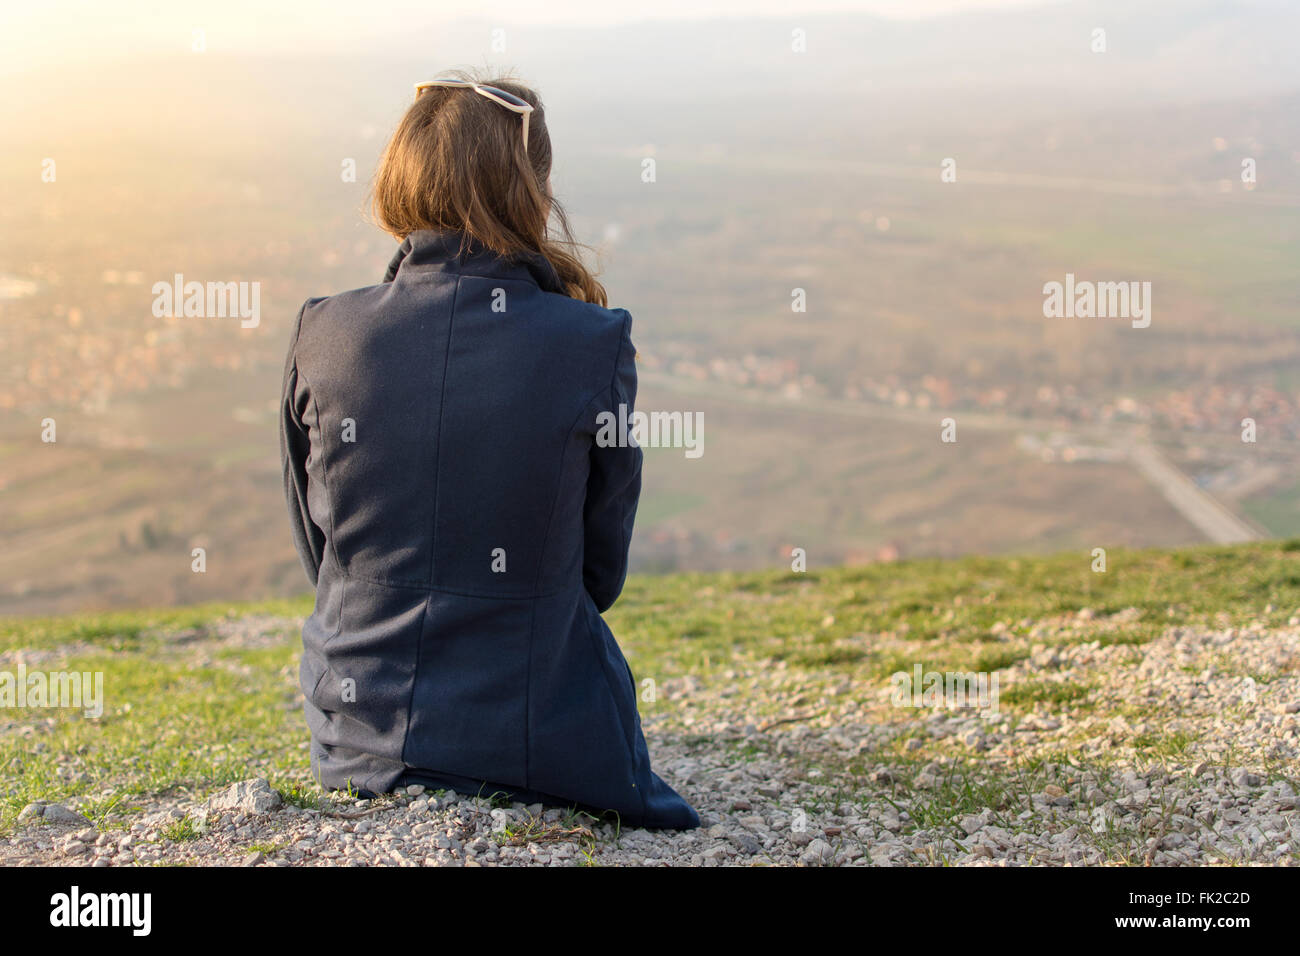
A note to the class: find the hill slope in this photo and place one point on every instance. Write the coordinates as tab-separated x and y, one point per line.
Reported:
1147	713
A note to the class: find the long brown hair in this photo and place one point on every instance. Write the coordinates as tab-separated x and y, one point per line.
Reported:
457	161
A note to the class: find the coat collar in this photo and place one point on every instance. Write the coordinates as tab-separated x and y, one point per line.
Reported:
439	250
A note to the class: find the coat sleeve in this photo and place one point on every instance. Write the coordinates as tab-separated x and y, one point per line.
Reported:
295	446
613	488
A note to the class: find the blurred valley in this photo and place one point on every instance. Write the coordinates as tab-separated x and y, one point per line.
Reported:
774	171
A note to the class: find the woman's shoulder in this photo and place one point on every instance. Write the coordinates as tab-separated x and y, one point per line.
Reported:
575	314
603	334
587	318
556	323
595	334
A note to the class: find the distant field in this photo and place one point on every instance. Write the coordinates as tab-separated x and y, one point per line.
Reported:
90	527
1279	510
839	488
907	279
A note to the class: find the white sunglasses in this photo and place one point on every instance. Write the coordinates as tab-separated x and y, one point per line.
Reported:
511	102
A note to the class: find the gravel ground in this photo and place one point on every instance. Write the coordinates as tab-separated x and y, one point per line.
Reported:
1183	750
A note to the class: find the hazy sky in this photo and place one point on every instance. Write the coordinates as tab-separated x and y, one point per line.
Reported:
51	32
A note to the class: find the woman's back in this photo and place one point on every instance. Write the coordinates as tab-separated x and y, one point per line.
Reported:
465	529
455	406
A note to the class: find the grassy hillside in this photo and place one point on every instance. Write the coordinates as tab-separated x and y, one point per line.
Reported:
202	696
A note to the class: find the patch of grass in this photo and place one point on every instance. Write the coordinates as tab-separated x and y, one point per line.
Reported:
998	658
128	630
167	725
767	616
575	827
1174	744
99	811
744	751
267	849
1027	693
826	656
304	797
497	800
888	663
181	830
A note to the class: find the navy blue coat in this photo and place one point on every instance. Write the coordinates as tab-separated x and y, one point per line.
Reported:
464	531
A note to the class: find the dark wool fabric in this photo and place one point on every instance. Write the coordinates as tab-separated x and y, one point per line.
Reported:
436	428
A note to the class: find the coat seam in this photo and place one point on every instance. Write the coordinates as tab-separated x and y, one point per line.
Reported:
528	701
415	679
437	447
437	589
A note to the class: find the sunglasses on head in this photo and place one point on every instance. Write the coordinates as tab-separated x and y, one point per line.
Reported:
511	102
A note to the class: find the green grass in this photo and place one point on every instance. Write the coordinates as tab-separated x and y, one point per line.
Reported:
181	830
266	848
1164	745
695	623
1048	692
176	721
124	630
302	796
1278	510
167	726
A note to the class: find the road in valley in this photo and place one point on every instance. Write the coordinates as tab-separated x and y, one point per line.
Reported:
1206	513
